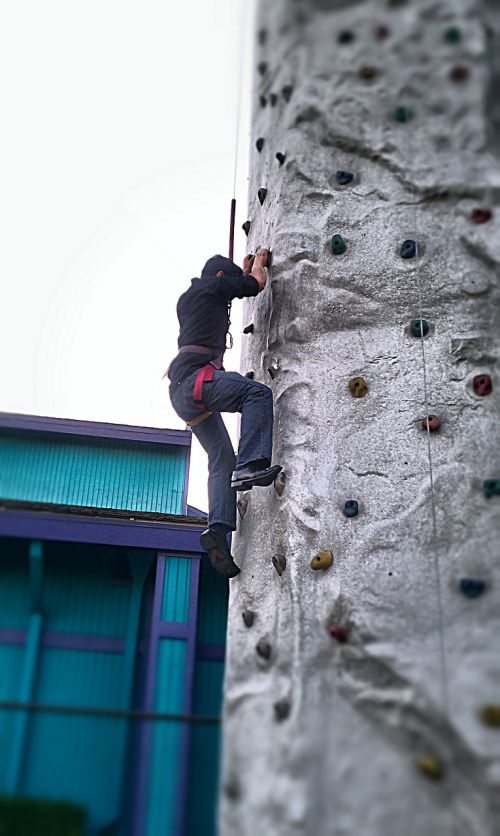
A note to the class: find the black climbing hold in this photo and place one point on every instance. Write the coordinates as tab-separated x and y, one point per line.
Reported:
480	216
395	4
250	375
262	37
482	385
287	92
262	68
281	710
408	248
345	36
273	99
232	789
491	487
279	563
472	587
344	177
419	327
452	35
338	632
248	329
248	617
459	73
382	32
269	262
351	508
263	649
261	194
246	227
242	506
263	101
402	114
338	245
367	72
273	369
280	157
431	423
259	144
279	483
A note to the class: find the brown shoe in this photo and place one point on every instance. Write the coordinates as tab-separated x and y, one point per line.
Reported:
215	545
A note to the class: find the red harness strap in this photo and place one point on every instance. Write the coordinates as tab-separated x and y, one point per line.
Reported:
205	373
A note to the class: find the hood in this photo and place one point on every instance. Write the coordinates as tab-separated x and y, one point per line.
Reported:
219	262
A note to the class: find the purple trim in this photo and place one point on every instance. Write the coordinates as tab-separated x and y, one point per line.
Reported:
173	630
69	426
38	525
68	641
211	652
139	823
182	789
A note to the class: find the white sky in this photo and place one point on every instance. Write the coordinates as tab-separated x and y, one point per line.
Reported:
117	162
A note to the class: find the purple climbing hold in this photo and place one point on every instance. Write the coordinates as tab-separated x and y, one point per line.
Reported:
459	73
482	385
431	423
481	216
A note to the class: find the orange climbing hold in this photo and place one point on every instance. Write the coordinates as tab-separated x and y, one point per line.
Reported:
358	387
322	560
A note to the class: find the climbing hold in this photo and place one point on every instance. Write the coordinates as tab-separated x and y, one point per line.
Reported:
248	617
395	4
338	632
269	260
403	114
274	368
345	36
482	385
281	710
367	72
279	483
263	649
246	227
248	329
430	767
490	714
382	32
452	35
261	194
279	563
250	375
459	73
408	248
472	587
491	487
480	216
338	245
280	157
358	387
242	506
351	508
262	37
287	92
431	423
322	560
262	68
263	101
232	789
344	177
273	98
259	144
419	327
475	284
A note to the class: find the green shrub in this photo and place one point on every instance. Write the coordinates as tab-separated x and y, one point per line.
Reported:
40	817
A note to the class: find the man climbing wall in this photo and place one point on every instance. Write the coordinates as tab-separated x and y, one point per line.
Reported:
361	691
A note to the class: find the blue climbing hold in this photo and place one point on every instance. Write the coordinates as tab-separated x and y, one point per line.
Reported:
419	327
491	487
351	508
408	248
452	35
345	36
472	587
344	177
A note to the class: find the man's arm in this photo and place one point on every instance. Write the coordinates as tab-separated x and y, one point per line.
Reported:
255	265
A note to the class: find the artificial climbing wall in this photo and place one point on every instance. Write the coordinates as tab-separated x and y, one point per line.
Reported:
362	692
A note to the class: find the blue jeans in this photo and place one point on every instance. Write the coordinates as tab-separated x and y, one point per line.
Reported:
227	392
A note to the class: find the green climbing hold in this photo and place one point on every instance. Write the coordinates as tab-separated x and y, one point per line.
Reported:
403	114
419	327
491	487
452	35
338	245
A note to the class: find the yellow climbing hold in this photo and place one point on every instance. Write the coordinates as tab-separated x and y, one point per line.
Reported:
358	387
490	714
430	767
322	560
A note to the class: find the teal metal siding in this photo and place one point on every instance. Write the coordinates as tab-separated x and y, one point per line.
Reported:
94	473
11	666
14	584
212	606
175	604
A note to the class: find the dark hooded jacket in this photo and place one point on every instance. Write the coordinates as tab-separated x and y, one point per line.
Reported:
202	312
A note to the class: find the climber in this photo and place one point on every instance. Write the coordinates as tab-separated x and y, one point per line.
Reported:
200	389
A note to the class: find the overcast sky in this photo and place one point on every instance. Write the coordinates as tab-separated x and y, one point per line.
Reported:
119	127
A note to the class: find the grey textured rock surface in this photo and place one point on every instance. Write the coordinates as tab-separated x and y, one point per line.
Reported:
381	659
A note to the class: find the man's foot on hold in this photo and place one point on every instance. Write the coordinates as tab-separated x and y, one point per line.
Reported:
249	477
215	544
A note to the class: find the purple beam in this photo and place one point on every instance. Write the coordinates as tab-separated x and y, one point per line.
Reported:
68	641
69	426
211	652
70	528
182	790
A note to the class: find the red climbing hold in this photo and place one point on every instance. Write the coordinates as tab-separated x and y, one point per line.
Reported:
338	632
431	423
459	73
482	384
382	32
480	216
